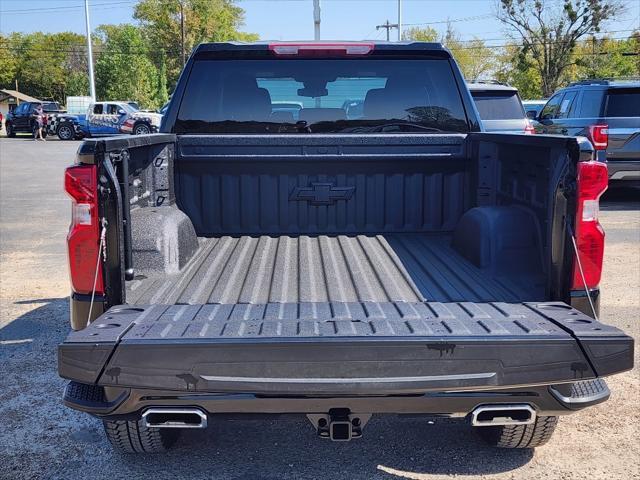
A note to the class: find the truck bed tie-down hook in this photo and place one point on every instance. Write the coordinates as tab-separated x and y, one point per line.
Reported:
102	251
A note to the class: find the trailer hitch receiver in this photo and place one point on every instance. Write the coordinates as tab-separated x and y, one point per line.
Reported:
339	425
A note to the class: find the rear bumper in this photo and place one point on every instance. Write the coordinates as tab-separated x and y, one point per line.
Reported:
127	403
624	170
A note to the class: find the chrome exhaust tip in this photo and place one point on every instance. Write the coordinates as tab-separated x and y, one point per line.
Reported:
174	418
490	415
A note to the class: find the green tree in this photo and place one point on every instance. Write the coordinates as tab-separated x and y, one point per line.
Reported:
549	33
204	20
606	58
77	84
76	70
123	69
474	58
8	63
42	64
517	69
636	42
418	34
46	65
162	95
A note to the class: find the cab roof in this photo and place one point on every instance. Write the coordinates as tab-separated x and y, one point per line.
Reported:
491	86
324	48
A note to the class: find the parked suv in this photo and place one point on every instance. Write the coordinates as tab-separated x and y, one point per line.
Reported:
608	113
23	118
500	108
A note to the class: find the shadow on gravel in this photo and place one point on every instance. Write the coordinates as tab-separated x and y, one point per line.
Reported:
48	322
287	447
620	198
67	444
39	300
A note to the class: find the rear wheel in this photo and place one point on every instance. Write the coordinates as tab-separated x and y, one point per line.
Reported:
141	129
135	437
519	436
11	133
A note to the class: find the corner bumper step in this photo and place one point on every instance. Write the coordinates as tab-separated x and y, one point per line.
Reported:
90	398
581	394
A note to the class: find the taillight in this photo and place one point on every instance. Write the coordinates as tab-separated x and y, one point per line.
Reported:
321	49
592	183
599	136
83	240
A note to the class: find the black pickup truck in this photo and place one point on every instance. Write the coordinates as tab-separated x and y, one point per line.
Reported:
258	259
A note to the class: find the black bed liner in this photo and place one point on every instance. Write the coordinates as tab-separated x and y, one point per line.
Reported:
403	267
343	348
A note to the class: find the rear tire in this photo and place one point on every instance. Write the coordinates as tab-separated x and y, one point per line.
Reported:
135	437
519	436
141	129
11	133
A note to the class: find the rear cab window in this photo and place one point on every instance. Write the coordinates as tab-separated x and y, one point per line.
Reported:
622	102
324	95
498	105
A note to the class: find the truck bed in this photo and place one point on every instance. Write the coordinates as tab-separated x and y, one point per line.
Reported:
285	269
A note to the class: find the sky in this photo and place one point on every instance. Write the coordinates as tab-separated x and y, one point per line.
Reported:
293	19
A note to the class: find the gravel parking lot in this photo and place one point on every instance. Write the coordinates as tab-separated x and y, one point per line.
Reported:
39	438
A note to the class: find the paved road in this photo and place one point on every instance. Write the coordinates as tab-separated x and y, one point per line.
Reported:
39	438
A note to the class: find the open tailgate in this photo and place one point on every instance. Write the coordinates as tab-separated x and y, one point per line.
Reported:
342	348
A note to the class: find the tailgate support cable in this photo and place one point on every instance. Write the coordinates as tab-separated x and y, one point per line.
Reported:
584	281
102	251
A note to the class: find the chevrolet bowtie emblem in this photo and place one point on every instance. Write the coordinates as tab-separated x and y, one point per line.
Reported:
321	194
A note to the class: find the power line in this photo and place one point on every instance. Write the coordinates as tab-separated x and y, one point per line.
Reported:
454	20
69	7
80	48
500	39
56	53
505	45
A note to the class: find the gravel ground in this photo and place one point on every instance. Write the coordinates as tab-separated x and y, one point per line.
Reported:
39	438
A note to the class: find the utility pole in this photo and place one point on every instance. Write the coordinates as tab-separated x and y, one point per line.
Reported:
184	56
316	20
399	20
316	37
387	26
92	83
